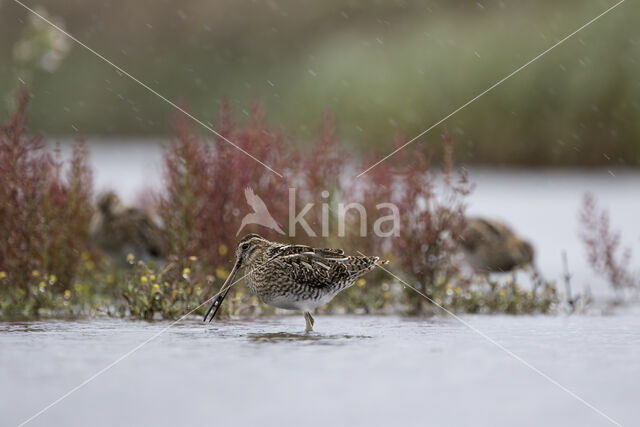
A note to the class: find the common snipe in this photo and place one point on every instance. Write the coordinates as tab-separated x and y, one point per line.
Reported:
492	246
294	277
118	230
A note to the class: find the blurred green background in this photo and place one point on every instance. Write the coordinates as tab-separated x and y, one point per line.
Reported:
381	67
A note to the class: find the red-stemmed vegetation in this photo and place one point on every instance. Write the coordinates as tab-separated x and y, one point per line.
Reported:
604	248
431	207
413	215
45	214
203	201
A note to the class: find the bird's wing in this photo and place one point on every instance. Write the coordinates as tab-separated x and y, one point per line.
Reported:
283	249
321	267
481	231
498	229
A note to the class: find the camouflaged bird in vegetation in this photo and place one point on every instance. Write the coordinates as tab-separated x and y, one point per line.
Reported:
118	231
492	246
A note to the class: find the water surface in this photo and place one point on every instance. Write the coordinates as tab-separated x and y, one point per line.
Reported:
356	370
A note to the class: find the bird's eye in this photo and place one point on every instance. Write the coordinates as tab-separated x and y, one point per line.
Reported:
244	246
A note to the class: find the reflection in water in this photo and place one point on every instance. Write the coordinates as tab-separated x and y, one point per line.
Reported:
276	337
19	327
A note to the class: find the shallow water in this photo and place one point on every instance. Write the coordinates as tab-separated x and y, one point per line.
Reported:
350	371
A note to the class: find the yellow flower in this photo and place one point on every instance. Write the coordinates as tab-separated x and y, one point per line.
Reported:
458	290
501	292
35	273
222	249
152	277
221	273
174	294
156	288
42	285
144	279
193	258
2	275
131	258
67	293
361	282
52	279
166	284
386	296
186	272
89	265
448	287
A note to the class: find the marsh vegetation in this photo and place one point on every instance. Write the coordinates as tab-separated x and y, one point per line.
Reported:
50	267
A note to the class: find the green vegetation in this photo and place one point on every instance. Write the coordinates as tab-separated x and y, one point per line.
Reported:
380	67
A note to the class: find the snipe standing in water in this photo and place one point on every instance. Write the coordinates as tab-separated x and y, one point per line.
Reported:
492	246
293	277
119	230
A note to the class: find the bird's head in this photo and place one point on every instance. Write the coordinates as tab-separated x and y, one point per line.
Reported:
109	203
249	247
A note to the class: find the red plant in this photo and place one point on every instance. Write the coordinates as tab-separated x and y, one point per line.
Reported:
204	199
318	180
44	213
432	217
322	166
376	186
603	245
431	208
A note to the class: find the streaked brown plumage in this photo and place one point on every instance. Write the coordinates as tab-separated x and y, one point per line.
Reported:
294	277
119	231
492	246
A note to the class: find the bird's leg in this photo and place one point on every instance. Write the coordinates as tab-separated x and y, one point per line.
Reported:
309	320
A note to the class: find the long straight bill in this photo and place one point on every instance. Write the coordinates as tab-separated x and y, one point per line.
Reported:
217	302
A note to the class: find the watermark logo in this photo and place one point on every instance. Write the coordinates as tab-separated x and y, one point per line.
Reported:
260	214
386	224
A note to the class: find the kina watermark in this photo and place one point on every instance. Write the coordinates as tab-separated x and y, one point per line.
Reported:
352	215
